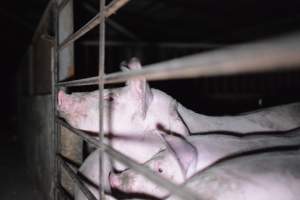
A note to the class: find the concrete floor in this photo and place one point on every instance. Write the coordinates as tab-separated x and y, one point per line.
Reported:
15	183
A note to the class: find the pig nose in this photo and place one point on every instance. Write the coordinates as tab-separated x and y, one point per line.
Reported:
114	181
60	97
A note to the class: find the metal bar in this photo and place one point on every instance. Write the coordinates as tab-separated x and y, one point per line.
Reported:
175	189
76	179
81	134
42	20
264	56
123	30
118	27
62	5
66	28
56	129
110	9
178	45
64	193
101	88
80	82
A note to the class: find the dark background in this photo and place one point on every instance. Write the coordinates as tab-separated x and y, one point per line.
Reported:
218	23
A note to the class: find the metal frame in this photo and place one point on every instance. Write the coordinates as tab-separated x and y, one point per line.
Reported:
139	43
269	55
43	20
178	190
101	88
110	9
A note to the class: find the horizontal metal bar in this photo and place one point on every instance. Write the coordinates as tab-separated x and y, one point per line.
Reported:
264	56
123	30
109	10
177	45
269	55
77	179
173	188
80	82
81	134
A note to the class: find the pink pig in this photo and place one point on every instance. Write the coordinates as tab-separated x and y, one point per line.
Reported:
187	156
131	116
277	118
271	175
133	113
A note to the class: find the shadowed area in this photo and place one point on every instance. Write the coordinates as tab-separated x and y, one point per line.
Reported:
15	182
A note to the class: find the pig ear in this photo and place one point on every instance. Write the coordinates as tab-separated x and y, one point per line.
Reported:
123	66
139	88
185	152
60	97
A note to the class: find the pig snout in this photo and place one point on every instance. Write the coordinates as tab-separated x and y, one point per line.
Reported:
60	96
114	181
64	103
122	181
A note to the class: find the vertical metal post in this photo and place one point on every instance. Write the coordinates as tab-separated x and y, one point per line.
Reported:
66	28
56	129
101	87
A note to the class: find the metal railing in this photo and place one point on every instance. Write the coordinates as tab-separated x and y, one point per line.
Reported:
99	19
183	193
110	9
268	55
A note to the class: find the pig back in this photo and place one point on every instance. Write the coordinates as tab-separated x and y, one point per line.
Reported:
265	176
214	147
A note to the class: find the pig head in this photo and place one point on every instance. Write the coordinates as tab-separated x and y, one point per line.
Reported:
195	153
130	116
173	163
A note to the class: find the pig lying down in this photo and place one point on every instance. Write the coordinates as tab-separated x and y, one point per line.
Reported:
186	157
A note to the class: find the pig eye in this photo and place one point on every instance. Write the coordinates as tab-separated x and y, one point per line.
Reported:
110	99
160	170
